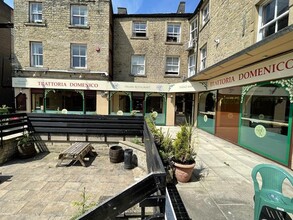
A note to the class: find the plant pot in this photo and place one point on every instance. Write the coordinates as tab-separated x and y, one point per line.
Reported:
26	151
183	172
116	154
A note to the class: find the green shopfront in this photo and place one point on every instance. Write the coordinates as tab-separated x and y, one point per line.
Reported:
252	107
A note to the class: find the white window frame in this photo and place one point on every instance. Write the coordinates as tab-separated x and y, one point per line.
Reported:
171	35
136	64
203	57
36	54
80	56
36	12
205	14
261	26
173	65
193	30
80	16
191	65
138	30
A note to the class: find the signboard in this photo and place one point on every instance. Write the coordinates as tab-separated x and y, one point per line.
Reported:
271	69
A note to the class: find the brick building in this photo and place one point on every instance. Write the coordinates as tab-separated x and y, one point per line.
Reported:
6	25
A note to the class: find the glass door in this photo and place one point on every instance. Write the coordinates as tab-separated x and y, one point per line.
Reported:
227	116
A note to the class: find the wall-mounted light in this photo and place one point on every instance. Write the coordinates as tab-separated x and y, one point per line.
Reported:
104	94
171	96
80	76
217	41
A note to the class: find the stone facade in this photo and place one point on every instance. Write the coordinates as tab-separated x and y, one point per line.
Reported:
57	34
6	17
153	46
232	26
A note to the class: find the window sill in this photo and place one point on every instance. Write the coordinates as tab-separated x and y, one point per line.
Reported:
171	76
35	24
137	75
78	27
173	43
139	38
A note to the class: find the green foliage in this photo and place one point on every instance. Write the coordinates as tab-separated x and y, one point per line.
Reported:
184	145
136	140
82	205
25	140
166	148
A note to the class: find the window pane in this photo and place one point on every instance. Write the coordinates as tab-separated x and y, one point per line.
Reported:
282	6
268	12
283	22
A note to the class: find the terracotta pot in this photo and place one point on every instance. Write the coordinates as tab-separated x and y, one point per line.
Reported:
183	172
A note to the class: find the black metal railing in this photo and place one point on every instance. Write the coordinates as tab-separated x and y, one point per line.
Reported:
12	124
105	125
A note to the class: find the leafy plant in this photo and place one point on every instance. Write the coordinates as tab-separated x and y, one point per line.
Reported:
136	140
184	145
166	148
82	205
25	140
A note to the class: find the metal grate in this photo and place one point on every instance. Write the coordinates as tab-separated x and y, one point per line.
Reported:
177	203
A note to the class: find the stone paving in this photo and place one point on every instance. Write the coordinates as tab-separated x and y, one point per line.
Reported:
37	189
221	187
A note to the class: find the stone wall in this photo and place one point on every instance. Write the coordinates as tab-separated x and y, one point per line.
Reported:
8	150
56	34
154	47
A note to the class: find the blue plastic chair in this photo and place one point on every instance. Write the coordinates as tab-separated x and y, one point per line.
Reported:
270	193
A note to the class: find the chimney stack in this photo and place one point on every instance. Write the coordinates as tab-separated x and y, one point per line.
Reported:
181	8
122	11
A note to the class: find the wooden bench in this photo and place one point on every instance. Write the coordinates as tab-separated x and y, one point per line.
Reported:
76	152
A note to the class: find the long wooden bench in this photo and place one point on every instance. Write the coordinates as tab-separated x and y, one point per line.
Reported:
76	152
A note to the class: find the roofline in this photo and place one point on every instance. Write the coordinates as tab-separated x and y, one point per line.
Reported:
161	15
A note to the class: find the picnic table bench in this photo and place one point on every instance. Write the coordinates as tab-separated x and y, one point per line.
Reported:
76	152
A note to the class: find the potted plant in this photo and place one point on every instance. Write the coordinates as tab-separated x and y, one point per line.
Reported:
4	109
184	153
26	147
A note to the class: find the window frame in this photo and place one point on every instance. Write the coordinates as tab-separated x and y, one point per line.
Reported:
203	57
205	14
261	26
79	56
34	47
193	30
139	31
38	13
172	73
137	65
79	16
170	36
191	68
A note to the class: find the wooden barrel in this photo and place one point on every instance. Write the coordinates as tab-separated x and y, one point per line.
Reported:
116	154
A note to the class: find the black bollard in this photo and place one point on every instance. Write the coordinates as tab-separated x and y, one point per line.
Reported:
128	158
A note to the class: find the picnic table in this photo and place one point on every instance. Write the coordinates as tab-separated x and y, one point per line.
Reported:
77	151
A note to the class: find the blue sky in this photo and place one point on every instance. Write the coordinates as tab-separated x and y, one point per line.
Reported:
147	6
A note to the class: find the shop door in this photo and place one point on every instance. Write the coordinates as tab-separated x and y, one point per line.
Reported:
227	118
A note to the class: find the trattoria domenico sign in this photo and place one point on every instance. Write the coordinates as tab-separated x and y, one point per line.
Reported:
280	67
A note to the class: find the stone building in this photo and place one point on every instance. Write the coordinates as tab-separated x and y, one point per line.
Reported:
150	48
244	54
6	25
63	51
227	67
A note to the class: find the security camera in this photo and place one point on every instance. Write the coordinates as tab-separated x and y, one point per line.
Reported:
217	41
